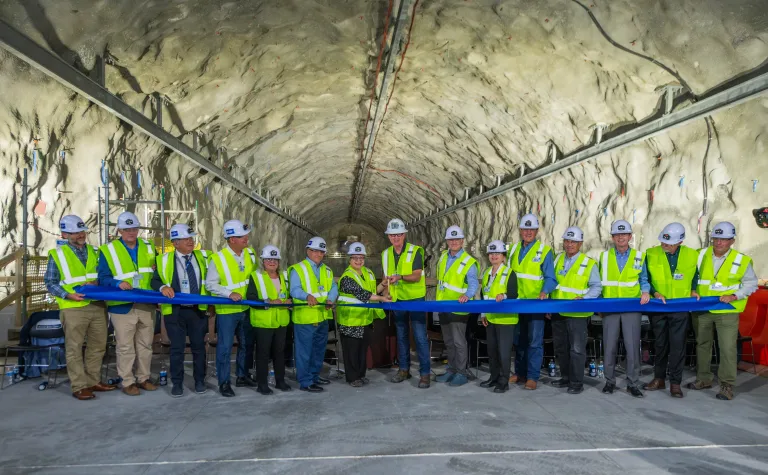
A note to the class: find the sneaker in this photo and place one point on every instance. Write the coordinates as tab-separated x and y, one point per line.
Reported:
726	392
200	387
400	376
446	377
226	390
177	390
458	379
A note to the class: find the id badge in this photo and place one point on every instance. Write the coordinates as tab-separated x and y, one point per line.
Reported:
678	276
717	285
487	289
322	289
136	282
563	272
536	259
441	287
638	267
281	295
185	286
241	267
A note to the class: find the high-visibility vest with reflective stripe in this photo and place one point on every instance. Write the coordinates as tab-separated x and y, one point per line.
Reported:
495	287
624	284
305	314
273	317
231	277
402	290
575	283
677	286
73	273
451	282
728	278
122	266
530	278
166	265
358	316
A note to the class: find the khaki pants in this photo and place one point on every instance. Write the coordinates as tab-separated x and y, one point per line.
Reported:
84	325
727	325
134	332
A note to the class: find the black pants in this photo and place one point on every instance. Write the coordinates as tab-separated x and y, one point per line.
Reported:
270	343
500	340
569	335
355	351
249	343
187	322
670	331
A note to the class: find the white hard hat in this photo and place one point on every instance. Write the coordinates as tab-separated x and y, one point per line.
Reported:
270	252
356	249
318	244
673	233
454	232
72	224
621	227
395	226
529	221
724	230
497	246
574	233
181	231
127	220
235	228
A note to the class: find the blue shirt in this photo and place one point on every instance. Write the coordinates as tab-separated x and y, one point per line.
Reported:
621	261
547	267
298	292
106	279
471	277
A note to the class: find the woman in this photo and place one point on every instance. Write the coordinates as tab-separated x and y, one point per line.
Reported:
271	286
499	283
357	285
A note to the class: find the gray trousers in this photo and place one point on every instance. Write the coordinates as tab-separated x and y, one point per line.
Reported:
629	323
455	339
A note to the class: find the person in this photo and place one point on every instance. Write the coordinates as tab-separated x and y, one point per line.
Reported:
499	283
270	285
128	263
726	273
357	285
403	265
624	275
673	275
312	284
71	265
577	278
531	260
183	270
456	280
228	275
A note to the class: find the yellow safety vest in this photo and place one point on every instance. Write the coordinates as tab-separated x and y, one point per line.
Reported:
123	268
530	278
677	286
574	283
358	316
232	277
305	314
73	273
728	278
167	267
272	317
403	290
624	284
497	286
451	282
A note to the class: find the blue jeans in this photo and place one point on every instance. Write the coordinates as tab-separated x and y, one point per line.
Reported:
419	322
310	341
529	345
227	326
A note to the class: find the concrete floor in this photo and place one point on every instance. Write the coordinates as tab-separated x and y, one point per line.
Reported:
386	429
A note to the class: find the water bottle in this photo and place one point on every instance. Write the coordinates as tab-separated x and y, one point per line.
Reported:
16	377
163	377
600	370
592	369
552	369
9	377
271	380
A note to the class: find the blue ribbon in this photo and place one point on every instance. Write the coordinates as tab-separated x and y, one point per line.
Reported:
473	306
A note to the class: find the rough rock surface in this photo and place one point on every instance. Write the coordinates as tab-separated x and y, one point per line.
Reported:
285	87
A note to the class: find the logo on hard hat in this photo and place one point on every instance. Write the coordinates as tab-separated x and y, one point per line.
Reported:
718	231
63	226
229	231
322	245
570	234
129	221
246	227
80	224
454	233
174	234
309	243
621	227
190	231
273	252
358	249
667	237
394	225
682	235
493	247
528	223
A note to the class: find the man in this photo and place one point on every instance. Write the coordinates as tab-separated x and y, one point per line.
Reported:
183	270
228	274
312	283
456	280
673	275
71	265
577	279
624	275
531	260
728	274
403	265
128	263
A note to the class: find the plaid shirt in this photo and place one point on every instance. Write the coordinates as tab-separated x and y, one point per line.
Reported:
52	277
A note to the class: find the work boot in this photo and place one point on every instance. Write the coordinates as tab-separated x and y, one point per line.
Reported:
699	385
131	390
445	377
400	376
530	385
424	382
515	379
458	379
655	384
147	386
356	383
560	383
726	392
675	391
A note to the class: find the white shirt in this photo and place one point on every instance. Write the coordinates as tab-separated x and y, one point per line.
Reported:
181	267
212	284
